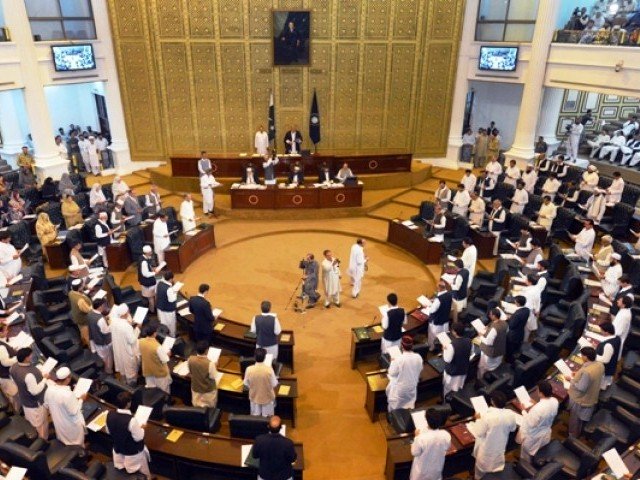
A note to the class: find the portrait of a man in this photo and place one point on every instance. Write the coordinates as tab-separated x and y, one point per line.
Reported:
291	38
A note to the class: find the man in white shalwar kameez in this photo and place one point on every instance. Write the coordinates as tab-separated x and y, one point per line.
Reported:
491	431
124	340
520	198
469	257
535	430
477	209
10	261
161	239
611	276
584	240
187	213
330	279
65	409
429	448
357	264
7	359
261	141
461	201
93	154
404	375
207	184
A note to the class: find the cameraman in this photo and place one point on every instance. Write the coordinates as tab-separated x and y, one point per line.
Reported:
310	281
331	279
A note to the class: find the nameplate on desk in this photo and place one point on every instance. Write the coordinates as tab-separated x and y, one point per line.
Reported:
378	329
237	384
174	435
285	337
284	390
218	327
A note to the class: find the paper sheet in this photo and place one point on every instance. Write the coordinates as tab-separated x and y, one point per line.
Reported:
564	368
48	365
218	376
583	342
592	283
479	404
184	312
600	308
99	294
139	316
509	256
424	301
245	450
167	344
383	309
394	352
268	359
613	459
24	249
419	420
523	396
14	317
21	340
509	308
479	326
16	473
214	354
444	338
82	386
15	279
142	414
181	369
216	312
162	265
99	422
92	283
177	286
91	260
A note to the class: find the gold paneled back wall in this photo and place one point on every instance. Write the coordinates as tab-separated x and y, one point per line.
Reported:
196	74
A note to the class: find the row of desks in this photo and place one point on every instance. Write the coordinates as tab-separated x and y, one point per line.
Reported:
233	165
273	197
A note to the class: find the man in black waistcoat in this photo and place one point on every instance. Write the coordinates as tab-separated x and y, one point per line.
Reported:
608	352
275	452
456	357
439	312
129	451
202	315
517	323
392	321
267	328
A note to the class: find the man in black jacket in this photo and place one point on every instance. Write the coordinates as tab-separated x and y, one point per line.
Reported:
202	315
275	452
517	323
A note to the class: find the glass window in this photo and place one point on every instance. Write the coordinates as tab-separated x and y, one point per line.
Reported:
506	20
61	19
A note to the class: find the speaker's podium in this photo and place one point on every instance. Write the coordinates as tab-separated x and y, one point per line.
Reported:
189	246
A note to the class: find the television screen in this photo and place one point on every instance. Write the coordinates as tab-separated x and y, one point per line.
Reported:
501	59
69	58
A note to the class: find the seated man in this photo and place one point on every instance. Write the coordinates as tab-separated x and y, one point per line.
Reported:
595	144
250	175
630	149
613	147
590	179
551	186
344	173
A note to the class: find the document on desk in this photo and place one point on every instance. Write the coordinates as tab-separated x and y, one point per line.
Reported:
22	340
177	286
92	283
479	326
16	473
184	312
142	414
98	422
479	404
182	303
245	450
600	308
523	396
394	352
14	317
419	420
592	283
139	316
583	342
509	256
614	460
213	354
509	308
82	387
99	294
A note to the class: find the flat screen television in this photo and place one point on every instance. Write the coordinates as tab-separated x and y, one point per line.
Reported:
71	58
498	59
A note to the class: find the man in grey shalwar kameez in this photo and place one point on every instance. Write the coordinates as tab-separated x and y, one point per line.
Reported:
310	293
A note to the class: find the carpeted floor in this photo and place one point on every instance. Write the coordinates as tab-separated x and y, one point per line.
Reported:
339	440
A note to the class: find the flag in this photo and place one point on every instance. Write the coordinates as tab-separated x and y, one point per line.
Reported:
314	120
272	119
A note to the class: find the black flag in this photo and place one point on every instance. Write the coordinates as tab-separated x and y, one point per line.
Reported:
272	120
314	121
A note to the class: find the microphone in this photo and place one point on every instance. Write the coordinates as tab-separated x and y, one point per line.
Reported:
375	317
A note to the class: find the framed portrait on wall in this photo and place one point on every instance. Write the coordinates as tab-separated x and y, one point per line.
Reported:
570	103
626	111
291	37
590	101
631	100
609	112
611	99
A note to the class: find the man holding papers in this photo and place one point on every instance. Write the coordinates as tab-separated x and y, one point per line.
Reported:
129	451
204	391
7	360
584	390
203	317
166	298
393	318
275	452
207	185
438	313
622	319
10	261
584	240
517	323
100	333
404	375
493	344
80	305
267	327
607	353
154	360
429	447
455	354
535	430
65	409
161	238
31	383
124	337
187	213
104	236
261	381
147	277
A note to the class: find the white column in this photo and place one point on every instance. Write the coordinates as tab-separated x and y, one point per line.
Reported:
462	83
48	161
549	113
119	141
522	147
13	138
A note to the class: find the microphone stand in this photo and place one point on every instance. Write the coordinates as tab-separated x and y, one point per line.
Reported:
293	294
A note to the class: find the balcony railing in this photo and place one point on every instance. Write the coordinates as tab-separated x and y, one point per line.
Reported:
615	37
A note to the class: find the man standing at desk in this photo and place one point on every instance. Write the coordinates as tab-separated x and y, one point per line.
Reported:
292	141
357	266
584	240
250	176
167	300
147	277
261	141
275	452
267	328
161	238
392	321
269	168
404	375
10	261
207	185
497	220
204	391
261	381
203	317
204	164
296	176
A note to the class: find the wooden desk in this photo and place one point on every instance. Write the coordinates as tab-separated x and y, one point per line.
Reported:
484	242
118	256
58	255
274	197
234	399
233	165
376	396
195	455
414	242
232	337
540	233
371	346
191	247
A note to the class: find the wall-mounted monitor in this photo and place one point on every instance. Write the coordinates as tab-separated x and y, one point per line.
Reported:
71	58
498	59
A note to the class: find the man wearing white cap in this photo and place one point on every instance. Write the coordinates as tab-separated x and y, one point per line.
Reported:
590	179
147	277
611	276
93	155
124	340
65	409
404	375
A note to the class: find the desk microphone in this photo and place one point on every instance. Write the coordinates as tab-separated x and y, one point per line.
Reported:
375	317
